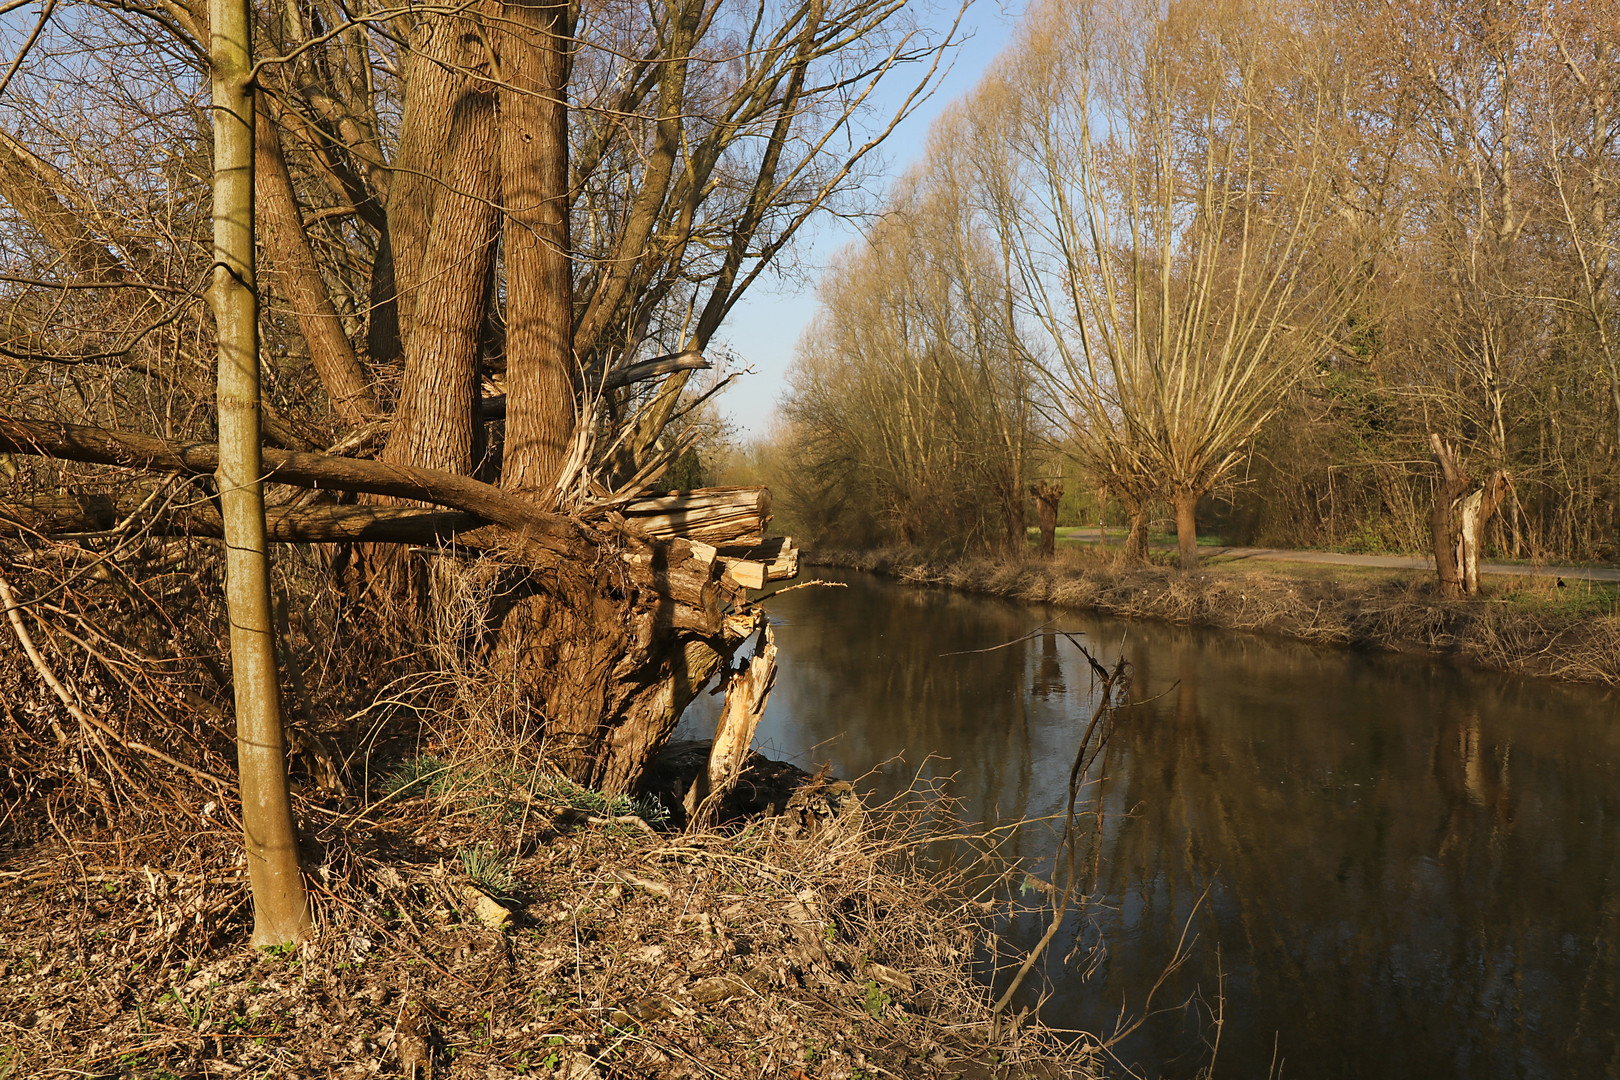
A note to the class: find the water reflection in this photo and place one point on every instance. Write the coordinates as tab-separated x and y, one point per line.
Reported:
1391	867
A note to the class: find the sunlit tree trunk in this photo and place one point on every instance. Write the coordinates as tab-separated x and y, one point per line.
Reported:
1186	503
541	408
434	422
280	910
291	257
1443	528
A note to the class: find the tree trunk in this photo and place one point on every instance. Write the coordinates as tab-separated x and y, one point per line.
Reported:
1136	547
1443	531
1048	494
441	48
611	643
291	257
439	399
1474	513
1186	504
541	410
747	693
1012	516
280	910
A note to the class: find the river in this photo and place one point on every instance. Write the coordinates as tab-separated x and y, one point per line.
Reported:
1379	866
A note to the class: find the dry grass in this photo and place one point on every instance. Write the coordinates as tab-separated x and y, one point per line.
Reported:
1529	626
765	951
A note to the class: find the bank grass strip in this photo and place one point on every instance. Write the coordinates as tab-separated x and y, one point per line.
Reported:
1528	626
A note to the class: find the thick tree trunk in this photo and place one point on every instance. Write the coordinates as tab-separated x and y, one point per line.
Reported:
282	228
280	910
1048	495
611	644
1186	504
443	47
1136	546
540	368
439	399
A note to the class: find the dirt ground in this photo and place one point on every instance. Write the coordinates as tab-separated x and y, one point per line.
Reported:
480	923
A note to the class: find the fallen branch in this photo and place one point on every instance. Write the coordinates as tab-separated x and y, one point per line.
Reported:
76	442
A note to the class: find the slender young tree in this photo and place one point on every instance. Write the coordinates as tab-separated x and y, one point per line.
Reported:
280	909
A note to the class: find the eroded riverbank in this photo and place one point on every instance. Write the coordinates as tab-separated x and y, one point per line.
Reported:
1532	627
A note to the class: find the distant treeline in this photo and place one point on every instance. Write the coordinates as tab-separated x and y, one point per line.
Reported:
1238	259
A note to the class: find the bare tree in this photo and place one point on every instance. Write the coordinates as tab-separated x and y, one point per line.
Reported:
1174	171
486	218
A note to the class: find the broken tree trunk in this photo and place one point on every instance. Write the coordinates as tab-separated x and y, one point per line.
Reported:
1442	527
604	630
1474	512
747	693
1458	519
718	516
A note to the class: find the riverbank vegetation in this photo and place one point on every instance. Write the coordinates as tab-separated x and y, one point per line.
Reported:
484	917
421	294
1541	627
1319	273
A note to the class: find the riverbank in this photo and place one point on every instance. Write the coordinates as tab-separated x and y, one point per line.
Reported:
491	925
1532	626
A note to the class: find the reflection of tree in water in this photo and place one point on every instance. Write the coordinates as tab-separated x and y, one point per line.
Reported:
1358	826
1412	871
870	677
1049	669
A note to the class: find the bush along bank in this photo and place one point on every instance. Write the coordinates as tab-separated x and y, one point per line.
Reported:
1529	626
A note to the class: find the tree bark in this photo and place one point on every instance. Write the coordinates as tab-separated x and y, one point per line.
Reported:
541	407
280	909
1136	546
439	400
330	350
1186	504
611	645
1443	531
1474	512
1048	495
433	84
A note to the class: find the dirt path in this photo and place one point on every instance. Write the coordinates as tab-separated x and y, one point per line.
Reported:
1387	562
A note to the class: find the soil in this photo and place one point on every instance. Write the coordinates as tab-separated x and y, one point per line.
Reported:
496	927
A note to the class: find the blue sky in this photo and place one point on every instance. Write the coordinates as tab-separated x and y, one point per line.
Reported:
764	327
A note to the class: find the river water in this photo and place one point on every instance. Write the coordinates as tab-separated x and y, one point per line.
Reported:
1377	866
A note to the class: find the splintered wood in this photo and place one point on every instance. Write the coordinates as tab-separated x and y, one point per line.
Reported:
718	516
746	696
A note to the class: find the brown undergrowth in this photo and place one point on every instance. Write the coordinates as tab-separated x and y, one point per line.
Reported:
491	923
1526	626
478	915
